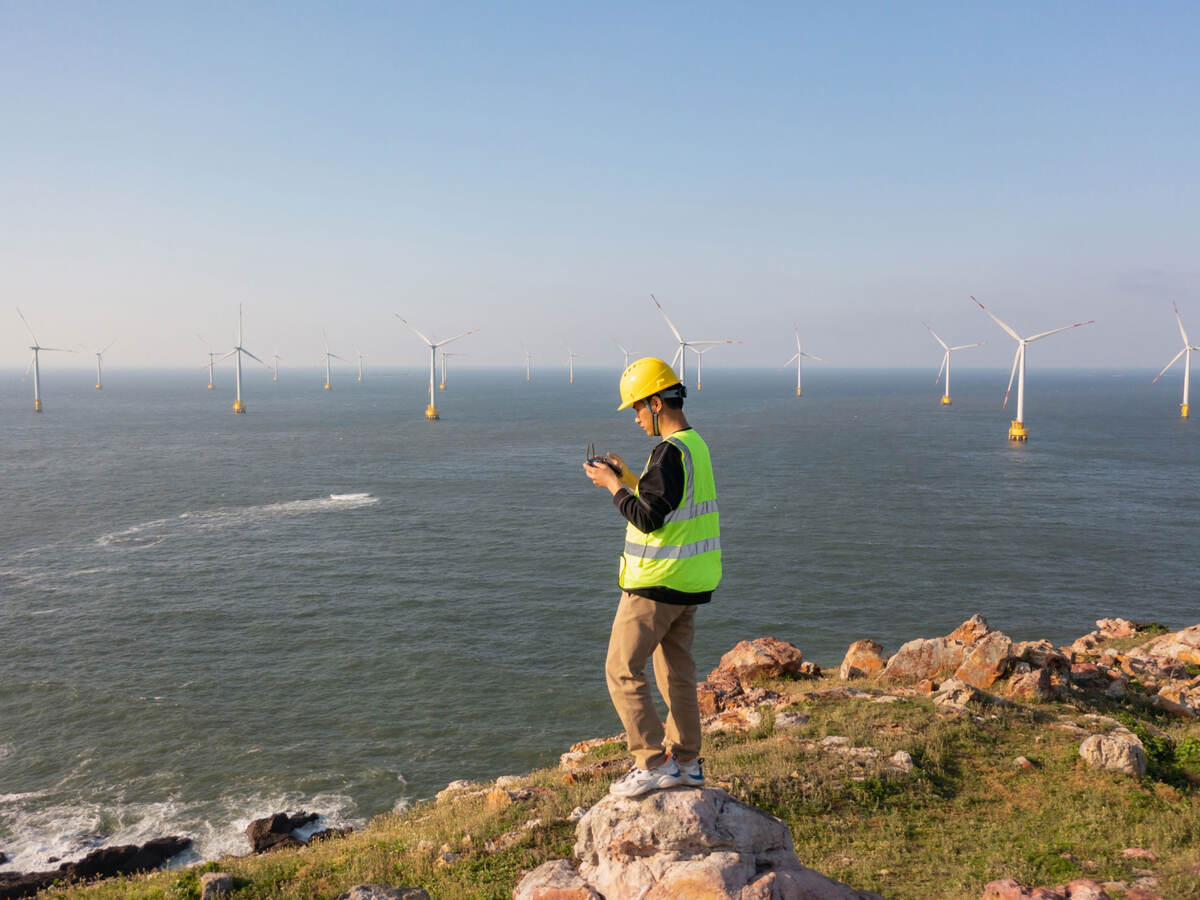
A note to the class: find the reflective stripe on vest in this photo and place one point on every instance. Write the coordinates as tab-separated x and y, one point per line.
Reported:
685	553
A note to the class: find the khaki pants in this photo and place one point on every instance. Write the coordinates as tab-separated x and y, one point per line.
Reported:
643	628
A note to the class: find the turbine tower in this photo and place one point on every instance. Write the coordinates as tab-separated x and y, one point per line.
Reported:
99	359
571	357
1018	432
946	361
212	358
626	352
328	371
1186	353
431	412
798	359
361	356
275	358
680	356
33	363
528	360
238	406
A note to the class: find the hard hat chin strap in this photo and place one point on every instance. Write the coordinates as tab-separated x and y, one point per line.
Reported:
677	391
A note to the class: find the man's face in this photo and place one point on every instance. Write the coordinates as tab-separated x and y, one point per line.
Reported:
643	416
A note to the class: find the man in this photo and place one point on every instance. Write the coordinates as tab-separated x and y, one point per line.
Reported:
671	565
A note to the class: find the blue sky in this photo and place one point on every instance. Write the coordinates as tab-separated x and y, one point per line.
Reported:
537	170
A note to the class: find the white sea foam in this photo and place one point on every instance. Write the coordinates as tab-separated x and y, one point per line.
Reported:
152	533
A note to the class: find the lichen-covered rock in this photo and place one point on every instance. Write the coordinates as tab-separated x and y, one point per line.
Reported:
383	892
1177	700
863	659
986	661
720	691
1120	751
1080	889
684	844
924	658
958	695
215	884
764	657
1116	628
555	880
1042	655
970	631
1182	646
1032	685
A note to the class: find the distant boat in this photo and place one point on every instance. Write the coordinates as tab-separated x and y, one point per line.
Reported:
363	496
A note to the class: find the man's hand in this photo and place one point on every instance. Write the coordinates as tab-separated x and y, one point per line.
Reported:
603	476
627	478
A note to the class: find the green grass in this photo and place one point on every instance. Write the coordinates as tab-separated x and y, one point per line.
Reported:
964	816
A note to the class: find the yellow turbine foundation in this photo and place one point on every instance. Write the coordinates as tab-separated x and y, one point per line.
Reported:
1183	410
442	386
945	399
98	386
431	413
1018	432
239	407
328	386
210	385
37	405
799	393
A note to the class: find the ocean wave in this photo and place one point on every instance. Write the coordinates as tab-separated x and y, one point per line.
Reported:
37	831
152	533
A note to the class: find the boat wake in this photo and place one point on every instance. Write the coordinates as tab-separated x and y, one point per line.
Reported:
153	533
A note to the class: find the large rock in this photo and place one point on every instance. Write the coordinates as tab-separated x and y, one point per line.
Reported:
971	630
863	659
987	660
103	863
764	657
383	892
274	832
555	880
1032	685
924	658
1183	646
687	844
1041	655
1120	751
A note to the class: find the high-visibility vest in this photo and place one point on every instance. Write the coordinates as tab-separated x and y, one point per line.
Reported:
685	553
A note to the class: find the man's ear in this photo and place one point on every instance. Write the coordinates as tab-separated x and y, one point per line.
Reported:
656	409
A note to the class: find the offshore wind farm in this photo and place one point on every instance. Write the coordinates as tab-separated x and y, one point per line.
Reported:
382	571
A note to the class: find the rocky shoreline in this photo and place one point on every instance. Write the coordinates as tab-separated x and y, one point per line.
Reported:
681	841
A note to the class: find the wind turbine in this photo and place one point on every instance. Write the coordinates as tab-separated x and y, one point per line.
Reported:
571	357
798	359
431	412
328	357
211	361
238	406
626	352
361	356
37	380
528	360
680	356
946	361
699	359
1018	432
275	365
1186	353
99	358
445	356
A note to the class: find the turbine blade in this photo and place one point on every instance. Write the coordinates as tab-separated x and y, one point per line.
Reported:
59	349
935	334
678	353
27	327
456	337
253	357
945	359
204	342
965	346
226	356
795	357
418	334
1174	360
1057	330
1015	336
1016	359
669	322
30	366
1179	319
811	356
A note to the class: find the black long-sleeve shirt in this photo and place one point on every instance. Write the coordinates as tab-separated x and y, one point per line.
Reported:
660	491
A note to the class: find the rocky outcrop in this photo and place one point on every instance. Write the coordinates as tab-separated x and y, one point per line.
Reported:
274	832
214	885
986	661
863	659
106	862
383	892
682	844
764	657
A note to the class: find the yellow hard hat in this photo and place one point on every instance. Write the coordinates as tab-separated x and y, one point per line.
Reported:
644	378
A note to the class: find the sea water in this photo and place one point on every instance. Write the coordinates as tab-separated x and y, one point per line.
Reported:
331	604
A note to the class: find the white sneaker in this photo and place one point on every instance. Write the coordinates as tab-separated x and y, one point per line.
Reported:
692	772
636	781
